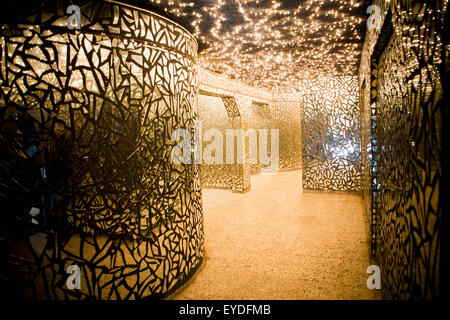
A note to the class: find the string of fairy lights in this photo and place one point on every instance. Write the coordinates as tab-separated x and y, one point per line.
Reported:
274	43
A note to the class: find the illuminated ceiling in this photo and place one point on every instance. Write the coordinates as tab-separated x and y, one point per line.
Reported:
273	44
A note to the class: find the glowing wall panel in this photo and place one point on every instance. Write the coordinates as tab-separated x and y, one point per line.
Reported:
237	100
331	135
258	118
403	80
87	179
257	109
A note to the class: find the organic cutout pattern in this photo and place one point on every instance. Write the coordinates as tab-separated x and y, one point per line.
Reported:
86	119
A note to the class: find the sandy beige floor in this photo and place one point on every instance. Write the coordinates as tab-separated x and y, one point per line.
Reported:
277	242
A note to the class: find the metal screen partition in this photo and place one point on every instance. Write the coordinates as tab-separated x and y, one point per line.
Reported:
406	98
217	114
331	135
286	115
88	186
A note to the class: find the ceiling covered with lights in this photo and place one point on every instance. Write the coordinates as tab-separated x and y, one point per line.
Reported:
273	44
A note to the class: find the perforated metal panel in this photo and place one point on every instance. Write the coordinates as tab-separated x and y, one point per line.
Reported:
86	119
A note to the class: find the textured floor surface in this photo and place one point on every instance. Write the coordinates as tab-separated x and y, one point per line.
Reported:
277	242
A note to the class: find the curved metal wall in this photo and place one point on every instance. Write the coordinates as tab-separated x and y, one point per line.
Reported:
87	180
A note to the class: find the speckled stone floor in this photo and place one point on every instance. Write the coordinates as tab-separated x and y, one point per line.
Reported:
278	242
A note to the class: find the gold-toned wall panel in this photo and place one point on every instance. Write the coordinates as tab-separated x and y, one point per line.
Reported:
287	117
219	113
403	68
331	135
86	119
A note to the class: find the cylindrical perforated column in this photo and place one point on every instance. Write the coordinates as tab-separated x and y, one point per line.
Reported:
86	119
